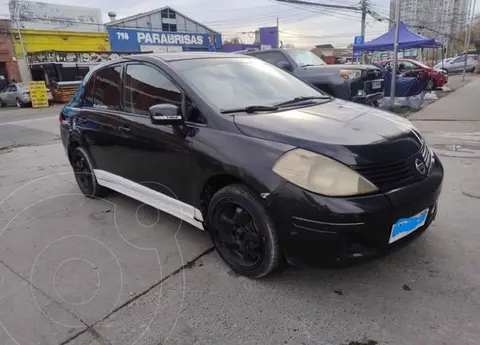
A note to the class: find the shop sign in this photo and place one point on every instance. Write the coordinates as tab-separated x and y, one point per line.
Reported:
130	40
38	94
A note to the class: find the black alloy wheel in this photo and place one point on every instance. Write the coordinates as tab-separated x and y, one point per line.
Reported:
431	84
20	104
242	232
83	170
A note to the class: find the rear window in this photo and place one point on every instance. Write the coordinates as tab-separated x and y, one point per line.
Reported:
103	89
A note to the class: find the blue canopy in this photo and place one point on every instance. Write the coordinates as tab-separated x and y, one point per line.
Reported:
406	39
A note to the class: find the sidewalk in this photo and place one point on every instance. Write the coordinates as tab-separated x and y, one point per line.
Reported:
461	105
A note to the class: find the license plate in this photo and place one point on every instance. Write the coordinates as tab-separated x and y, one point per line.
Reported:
405	226
376	85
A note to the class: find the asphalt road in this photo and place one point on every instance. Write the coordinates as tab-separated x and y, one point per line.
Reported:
80	271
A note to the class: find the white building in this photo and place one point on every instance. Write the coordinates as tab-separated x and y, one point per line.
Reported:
439	19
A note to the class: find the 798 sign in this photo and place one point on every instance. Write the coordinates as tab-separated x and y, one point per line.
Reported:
122	35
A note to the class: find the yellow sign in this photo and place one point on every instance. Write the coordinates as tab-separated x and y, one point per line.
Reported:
38	94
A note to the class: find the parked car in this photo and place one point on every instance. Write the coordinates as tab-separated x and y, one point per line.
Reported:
445	61
358	83
18	94
431	78
274	169
457	64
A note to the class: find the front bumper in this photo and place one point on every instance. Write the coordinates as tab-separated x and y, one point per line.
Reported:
370	98
367	91
318	230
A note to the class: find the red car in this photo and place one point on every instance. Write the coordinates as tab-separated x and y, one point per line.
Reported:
430	77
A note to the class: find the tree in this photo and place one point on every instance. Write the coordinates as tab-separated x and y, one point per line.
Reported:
233	40
474	38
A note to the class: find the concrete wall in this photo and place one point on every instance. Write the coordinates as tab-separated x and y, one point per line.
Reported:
7	53
24	70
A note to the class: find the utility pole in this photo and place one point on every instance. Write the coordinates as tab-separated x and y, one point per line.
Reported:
363	8
467	38
363	25
278	33
395	52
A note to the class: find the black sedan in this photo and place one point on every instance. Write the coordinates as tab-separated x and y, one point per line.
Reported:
274	169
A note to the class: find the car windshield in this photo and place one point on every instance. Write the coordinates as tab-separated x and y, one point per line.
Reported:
306	58
236	83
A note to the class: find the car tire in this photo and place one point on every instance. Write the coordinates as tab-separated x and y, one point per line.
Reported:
2	103
20	104
432	84
84	175
253	228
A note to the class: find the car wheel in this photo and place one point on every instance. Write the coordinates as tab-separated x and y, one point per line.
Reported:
20	104
83	170
431	85
2	103
243	233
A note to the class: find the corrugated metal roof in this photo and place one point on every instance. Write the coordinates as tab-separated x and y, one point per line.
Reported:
158	10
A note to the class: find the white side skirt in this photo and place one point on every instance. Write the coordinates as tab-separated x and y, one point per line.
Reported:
150	197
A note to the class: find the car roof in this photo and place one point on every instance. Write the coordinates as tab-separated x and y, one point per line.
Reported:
168	57
272	50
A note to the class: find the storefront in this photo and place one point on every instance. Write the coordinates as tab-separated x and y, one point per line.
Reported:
39	27
142	41
62	66
178	32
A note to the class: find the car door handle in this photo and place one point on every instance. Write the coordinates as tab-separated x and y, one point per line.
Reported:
123	129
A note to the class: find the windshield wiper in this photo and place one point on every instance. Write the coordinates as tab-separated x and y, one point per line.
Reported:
249	109
301	99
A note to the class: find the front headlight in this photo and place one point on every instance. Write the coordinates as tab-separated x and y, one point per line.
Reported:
321	175
350	73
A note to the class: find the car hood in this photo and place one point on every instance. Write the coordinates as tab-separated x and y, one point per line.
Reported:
354	67
351	133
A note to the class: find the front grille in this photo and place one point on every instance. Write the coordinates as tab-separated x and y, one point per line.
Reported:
427	156
371	74
388	176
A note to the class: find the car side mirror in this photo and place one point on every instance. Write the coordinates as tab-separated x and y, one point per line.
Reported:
165	114
285	65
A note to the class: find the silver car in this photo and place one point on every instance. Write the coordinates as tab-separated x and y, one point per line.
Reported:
457	64
18	94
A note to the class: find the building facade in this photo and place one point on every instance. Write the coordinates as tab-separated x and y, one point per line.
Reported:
39	27
161	30
439	19
8	60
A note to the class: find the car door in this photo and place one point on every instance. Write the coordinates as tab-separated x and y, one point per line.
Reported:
9	94
157	156
12	94
4	94
98	118
457	64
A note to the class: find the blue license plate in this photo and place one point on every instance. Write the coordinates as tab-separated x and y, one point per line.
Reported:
405	226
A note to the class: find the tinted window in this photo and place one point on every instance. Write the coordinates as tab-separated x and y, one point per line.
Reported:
272	57
237	82
107	87
13	88
146	86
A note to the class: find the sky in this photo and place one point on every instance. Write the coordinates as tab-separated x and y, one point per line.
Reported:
299	25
